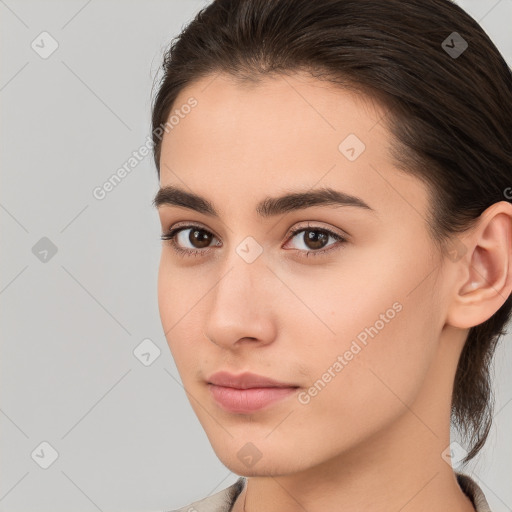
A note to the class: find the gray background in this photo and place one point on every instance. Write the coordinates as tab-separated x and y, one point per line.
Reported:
126	436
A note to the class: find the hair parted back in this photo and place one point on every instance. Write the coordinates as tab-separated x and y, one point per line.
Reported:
450	118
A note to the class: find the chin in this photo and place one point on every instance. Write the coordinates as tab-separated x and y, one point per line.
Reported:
261	468
261	457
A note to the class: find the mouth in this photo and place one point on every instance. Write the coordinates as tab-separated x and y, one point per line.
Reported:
248	392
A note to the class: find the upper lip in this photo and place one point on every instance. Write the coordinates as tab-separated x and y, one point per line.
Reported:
245	380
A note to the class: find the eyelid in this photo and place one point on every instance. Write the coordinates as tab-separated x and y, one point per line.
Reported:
191	224
292	231
316	225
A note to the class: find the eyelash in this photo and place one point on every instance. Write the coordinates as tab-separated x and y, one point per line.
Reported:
170	237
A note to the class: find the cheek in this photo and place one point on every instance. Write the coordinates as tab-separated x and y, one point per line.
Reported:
370	389
176	300
178	293
383	344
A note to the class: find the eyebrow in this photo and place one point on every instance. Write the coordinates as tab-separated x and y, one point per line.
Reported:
270	206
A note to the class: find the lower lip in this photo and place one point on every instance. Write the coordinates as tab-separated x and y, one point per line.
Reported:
248	400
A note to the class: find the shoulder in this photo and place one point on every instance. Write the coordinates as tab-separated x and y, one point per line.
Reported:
219	502
223	500
473	491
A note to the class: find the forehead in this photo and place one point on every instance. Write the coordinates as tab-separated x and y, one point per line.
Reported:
294	119
298	102
283	132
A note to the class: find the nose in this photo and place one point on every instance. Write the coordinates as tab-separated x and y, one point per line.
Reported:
241	308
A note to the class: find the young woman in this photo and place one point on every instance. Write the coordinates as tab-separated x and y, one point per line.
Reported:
336	268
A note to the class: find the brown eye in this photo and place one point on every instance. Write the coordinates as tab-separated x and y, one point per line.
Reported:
315	239
198	241
200	238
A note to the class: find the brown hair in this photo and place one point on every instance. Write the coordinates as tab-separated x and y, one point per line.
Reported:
450	114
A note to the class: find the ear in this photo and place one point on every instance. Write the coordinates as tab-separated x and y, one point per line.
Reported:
485	269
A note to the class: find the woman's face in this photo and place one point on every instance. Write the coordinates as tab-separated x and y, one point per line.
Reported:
355	327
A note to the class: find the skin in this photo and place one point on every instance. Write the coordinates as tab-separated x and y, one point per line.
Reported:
372	438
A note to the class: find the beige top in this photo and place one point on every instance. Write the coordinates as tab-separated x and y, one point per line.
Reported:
224	500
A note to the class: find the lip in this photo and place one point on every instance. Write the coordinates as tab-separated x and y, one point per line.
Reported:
247	392
246	380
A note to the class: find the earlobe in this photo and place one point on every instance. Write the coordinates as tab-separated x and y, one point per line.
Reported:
487	269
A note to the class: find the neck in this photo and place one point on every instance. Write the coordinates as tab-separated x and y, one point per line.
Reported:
399	468
406	478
